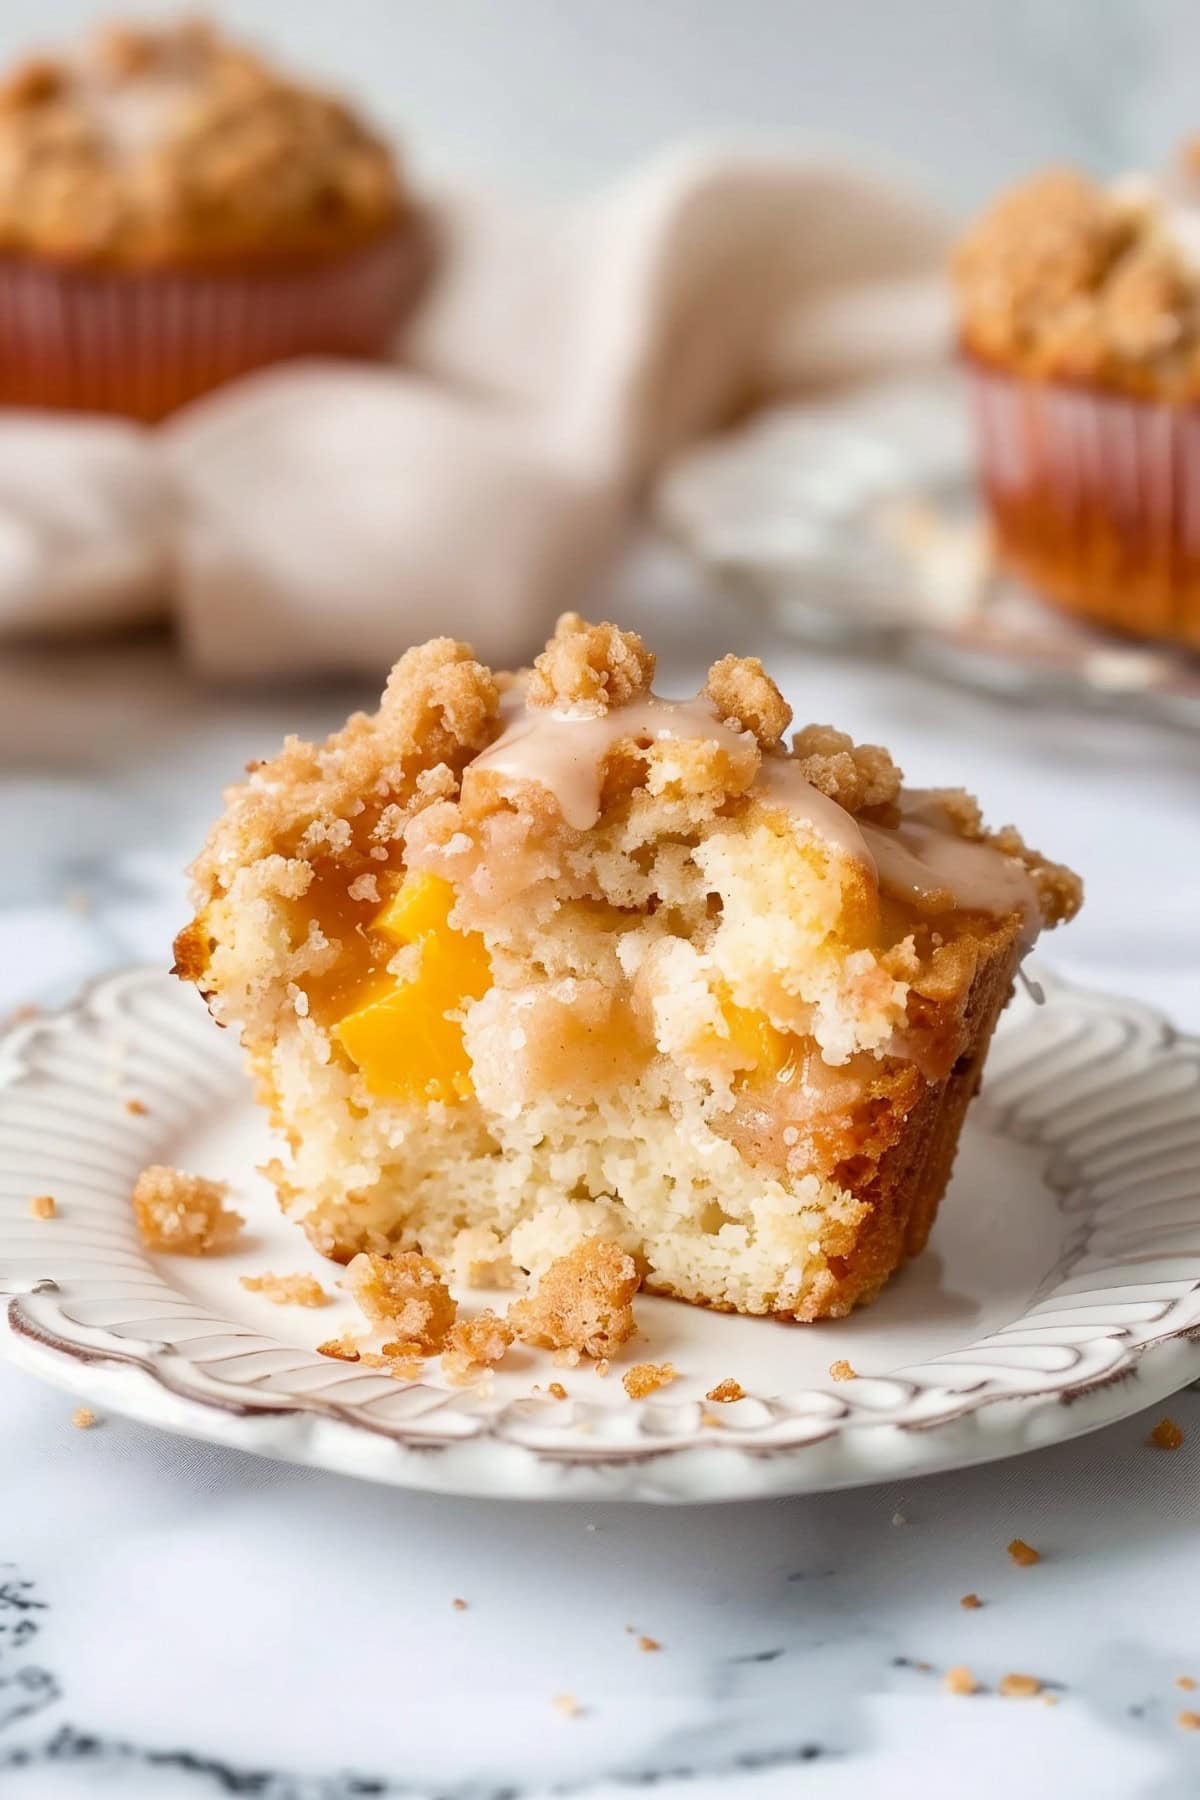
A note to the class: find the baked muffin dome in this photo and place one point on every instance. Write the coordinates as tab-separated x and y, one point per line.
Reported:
522	962
173	145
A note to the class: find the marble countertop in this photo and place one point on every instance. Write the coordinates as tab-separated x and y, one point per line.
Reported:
176	1619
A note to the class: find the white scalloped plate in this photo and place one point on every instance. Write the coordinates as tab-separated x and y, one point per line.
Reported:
1061	1290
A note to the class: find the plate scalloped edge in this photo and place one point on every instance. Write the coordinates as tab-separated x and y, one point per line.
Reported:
1106	1089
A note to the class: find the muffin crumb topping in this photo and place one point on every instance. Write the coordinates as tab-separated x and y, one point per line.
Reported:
183	1214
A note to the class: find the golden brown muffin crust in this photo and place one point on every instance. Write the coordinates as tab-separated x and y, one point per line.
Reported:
172	145
1064	278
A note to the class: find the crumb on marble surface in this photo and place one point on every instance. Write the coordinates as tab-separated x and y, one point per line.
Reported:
648	1643
287	1290
1188	1720
959	1680
1186	1682
1018	1687
646	1378
1023	1554
342	1349
557	1391
182	1214
459	1604
567	1704
1167	1435
43	1206
136	1107
83	1418
726	1392
841	1370
971	1602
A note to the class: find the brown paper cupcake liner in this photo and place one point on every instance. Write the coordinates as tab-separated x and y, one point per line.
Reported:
1094	499
143	343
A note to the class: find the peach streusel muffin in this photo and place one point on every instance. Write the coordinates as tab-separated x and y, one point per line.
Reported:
174	212
520	961
1079	303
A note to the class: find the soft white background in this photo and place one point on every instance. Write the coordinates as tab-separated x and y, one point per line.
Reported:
204	1601
547	97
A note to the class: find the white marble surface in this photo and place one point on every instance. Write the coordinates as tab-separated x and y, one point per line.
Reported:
199	1622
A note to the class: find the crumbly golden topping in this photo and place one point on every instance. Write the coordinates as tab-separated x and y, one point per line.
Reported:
83	1418
287	1290
43	1206
171	144
473	1345
1167	1435
1023	1554
746	698
1187	1720
407	1294
971	1602
842	1370
590	668
855	775
960	1680
646	1378
184	1214
341	1349
1068	279
726	1392
583	1302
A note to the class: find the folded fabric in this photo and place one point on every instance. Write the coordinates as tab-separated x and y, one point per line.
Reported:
320	517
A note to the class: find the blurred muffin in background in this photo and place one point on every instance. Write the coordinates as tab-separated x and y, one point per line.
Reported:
174	213
1080	323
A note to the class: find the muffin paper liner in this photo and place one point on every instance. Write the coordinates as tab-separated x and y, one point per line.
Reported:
1094	499
142	343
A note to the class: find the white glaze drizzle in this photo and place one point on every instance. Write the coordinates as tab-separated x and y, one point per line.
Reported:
921	862
564	751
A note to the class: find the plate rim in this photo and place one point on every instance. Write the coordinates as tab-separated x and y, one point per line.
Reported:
855	1442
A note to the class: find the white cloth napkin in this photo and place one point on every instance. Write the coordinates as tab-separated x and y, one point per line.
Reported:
322	516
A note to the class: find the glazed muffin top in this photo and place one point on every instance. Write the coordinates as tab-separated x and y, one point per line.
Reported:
1071	279
174	146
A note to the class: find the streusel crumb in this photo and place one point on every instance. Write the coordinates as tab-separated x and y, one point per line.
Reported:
584	1301
960	1680
342	1349
648	1643
1018	1687
647	1378
184	1214
83	1418
726	1392
971	1602
459	1605
287	1290
746	698
1188	1720
855	775
43	1206
473	1345
841	1370
137	1108
1186	1682
556	1390
567	1704
1023	1554
405	1293
590	667
1167	1435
